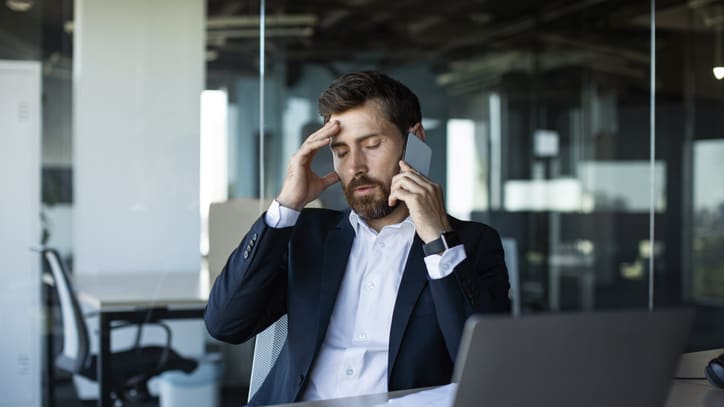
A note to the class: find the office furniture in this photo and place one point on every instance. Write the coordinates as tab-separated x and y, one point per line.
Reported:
132	367
682	393
228	222
267	346
136	298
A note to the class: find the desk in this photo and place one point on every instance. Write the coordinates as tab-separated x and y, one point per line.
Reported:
683	393
137	297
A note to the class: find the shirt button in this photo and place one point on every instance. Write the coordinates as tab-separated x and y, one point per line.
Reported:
349	372
362	337
382	244
370	285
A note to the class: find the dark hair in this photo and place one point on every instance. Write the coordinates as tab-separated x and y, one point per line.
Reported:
351	90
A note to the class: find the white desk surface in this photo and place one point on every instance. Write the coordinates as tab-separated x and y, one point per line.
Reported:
104	291
683	393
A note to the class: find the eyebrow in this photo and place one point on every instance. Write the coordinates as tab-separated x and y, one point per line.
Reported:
357	140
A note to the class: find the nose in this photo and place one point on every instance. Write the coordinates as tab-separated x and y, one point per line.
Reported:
357	163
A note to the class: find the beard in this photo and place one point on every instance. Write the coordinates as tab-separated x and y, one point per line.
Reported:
370	206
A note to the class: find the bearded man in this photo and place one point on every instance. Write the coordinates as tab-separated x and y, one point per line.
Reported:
376	295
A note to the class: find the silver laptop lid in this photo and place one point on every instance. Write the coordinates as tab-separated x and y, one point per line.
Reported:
584	359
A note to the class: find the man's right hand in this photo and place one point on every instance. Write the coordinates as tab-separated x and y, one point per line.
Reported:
301	184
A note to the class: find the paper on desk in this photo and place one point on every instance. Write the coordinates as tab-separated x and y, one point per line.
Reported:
442	396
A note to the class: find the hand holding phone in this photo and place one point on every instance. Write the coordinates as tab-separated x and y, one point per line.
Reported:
417	154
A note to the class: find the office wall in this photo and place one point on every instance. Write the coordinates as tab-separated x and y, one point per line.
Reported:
19	230
138	75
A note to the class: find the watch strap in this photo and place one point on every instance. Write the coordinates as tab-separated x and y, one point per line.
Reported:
439	245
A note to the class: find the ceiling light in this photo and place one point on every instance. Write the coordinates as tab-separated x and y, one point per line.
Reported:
718	72
19	5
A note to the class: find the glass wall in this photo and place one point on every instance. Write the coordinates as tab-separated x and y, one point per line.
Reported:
540	119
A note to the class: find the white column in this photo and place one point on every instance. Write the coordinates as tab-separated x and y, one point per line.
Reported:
20	228
138	76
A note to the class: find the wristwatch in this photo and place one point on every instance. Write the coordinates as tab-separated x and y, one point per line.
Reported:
442	243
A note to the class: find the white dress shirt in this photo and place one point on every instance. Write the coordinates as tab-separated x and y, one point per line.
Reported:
353	357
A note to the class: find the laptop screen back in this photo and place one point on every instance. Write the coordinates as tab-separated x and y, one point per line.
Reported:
585	359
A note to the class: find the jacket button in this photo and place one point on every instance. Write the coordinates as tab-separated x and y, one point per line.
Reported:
253	237
246	254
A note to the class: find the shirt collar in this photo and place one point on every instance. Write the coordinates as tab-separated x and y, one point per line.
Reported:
357	222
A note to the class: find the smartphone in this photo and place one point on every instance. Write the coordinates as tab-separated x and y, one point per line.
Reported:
417	154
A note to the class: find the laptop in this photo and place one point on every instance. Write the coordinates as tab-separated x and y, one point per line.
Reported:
584	359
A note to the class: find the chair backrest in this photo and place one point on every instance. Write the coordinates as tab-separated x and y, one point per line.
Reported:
268	345
75	334
510	247
228	221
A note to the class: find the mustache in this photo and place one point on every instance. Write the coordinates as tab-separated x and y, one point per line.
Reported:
361	181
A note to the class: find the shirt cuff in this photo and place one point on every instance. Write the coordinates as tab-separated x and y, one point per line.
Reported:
441	265
278	216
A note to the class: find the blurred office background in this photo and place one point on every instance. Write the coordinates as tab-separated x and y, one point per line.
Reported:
542	118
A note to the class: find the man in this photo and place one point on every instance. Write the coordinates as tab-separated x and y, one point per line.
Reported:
376	295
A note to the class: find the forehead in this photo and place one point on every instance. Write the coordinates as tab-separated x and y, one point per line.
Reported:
365	120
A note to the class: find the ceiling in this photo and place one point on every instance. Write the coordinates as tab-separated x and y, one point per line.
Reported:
466	41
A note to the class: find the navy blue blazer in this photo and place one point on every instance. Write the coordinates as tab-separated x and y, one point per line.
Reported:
298	271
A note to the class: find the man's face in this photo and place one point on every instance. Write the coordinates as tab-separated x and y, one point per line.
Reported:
366	154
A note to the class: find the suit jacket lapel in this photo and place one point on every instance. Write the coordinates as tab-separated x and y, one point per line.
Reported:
413	281
337	247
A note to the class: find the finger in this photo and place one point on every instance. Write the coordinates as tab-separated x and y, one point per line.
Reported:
412	180
330	179
331	128
307	151
399	195
405	167
408	183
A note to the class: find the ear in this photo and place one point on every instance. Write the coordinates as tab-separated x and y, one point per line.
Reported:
418	130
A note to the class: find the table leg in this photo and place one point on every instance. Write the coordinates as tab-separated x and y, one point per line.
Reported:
48	365
104	361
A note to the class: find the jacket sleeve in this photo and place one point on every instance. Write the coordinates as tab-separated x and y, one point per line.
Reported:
479	284
251	291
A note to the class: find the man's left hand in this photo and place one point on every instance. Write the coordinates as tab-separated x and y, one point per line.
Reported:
423	198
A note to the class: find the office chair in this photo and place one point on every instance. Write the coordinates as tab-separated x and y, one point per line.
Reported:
267	347
132	368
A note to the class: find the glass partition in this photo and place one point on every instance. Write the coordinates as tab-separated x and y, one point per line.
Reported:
538	116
